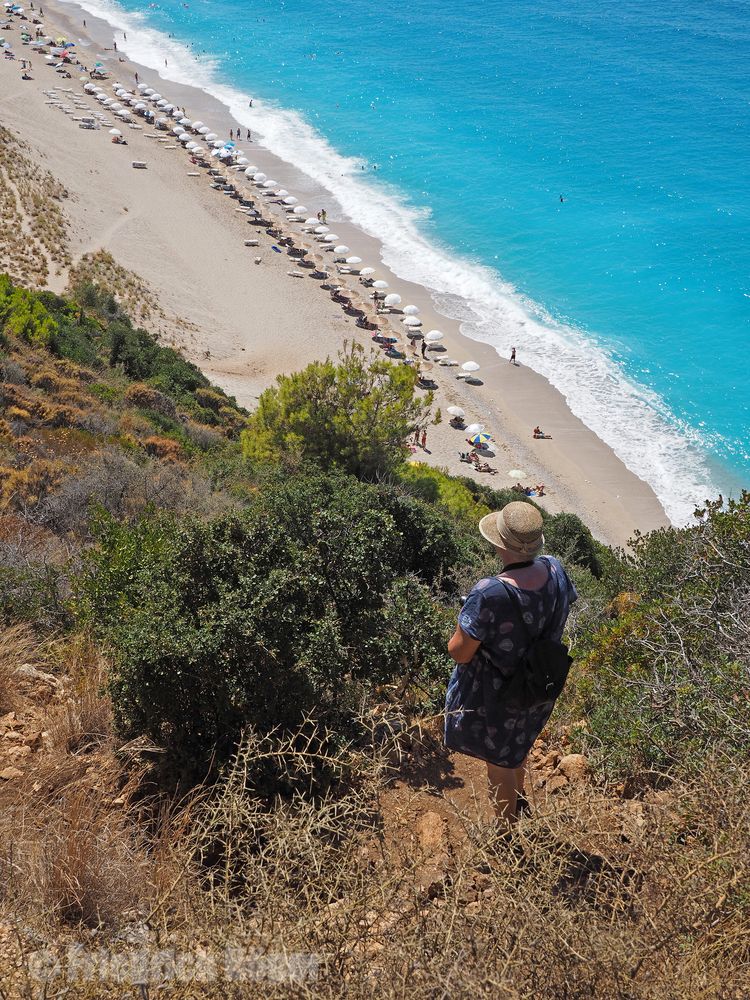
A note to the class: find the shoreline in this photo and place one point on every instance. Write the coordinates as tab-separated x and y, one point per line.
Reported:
581	472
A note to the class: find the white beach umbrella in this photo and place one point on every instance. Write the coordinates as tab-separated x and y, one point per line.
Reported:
434	336
186	122
473	429
125	115
270	184
290	200
176	112
249	172
381	287
140	106
259	176
470	366
242	161
115	131
203	130
321	230
116	106
251	169
210	136
311	221
143	87
217	143
353	260
197	125
456	411
341	249
412	321
178	129
153	97
89	88
101	98
367	271
185	137
160	104
299	210
331	238
108	102
411	310
191	146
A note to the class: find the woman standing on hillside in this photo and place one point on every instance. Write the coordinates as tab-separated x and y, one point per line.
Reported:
504	621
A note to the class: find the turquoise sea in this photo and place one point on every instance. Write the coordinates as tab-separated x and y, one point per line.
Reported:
632	293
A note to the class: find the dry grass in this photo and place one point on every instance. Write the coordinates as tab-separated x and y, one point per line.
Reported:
594	896
17	646
33	227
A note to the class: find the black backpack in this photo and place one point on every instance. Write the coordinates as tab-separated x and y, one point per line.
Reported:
541	672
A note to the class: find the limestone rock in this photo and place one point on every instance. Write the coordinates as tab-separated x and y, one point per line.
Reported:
574	766
9	773
430	831
555	783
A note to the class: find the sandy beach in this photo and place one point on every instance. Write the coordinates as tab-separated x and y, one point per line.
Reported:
245	322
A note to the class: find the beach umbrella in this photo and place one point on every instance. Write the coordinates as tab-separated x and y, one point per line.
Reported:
470	366
178	129
259	177
242	161
517	473
412	321
299	210
341	249
143	87
270	184
115	106
456	411
353	260
160	104
125	115
140	106
433	336
186	122
211	136
115	131
185	137
381	286
290	200
474	429
147	91
411	310
389	300
311	221
331	238
480	439
203	130
367	271
153	97
251	169
197	125
321	229
217	143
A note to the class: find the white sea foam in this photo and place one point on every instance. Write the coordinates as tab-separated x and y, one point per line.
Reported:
633	420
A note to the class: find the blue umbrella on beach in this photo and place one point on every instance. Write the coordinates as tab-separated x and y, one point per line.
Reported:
480	440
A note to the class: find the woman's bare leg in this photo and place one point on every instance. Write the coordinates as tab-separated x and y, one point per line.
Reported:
503	790
505	785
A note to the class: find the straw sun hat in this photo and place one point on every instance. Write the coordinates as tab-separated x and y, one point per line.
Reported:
516	528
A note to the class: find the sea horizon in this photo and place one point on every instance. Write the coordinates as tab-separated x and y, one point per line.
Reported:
673	403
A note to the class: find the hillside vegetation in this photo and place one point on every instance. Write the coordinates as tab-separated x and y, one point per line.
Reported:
222	664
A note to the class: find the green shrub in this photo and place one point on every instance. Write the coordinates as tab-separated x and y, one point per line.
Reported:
436	486
568	538
318	591
355	415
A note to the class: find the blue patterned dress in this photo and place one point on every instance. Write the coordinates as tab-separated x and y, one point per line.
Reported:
506	620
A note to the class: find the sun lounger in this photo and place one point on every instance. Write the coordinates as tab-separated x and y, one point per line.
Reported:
295	274
139	165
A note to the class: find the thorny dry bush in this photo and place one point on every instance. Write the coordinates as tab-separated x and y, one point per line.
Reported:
579	903
33	227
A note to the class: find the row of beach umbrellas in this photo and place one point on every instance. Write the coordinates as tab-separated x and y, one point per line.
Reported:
187	131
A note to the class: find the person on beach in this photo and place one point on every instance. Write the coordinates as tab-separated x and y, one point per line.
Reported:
512	360
231	133
508	622
424	349
248	135
424	438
